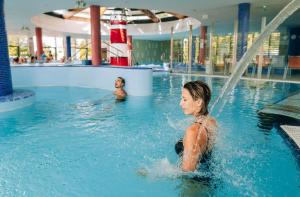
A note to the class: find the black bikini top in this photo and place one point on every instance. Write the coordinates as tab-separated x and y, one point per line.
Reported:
179	145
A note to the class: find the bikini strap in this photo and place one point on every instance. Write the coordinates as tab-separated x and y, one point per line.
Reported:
198	135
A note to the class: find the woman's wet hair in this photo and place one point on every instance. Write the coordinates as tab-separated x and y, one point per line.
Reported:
122	80
199	90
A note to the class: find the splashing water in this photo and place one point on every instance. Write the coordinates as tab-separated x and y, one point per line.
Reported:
179	124
163	168
160	168
241	66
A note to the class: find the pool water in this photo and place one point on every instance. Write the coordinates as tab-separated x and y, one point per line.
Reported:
80	142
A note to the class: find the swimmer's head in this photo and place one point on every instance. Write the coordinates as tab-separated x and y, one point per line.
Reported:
196	96
120	82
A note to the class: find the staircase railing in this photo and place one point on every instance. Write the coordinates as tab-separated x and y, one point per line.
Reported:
108	50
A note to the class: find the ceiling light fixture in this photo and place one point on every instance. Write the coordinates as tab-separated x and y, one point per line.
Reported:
80	3
204	16
264	7
24	28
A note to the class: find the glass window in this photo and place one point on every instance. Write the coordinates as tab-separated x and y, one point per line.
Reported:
18	46
274	43
271	45
197	49
60	51
81	48
177	50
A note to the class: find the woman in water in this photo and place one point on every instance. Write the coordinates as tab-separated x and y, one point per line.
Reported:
199	136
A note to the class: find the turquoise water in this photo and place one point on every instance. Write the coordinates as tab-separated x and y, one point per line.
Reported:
80	142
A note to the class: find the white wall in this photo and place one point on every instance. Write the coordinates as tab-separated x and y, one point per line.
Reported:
138	81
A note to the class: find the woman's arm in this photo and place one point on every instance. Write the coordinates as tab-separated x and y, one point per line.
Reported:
192	148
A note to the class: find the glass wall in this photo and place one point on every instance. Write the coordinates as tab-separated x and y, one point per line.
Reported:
271	45
18	46
53	46
222	49
197	48
178	51
81	48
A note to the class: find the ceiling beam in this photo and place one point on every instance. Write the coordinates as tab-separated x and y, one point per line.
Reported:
179	16
72	12
151	15
77	18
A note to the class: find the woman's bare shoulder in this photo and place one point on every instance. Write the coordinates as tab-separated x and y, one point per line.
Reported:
210	121
192	128
191	131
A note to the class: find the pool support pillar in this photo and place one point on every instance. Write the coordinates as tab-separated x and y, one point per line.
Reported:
68	47
10	100
203	31
209	66
95	35
5	73
235	40
39	42
294	41
243	28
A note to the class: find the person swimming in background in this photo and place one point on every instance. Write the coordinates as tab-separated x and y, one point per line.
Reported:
199	137
119	92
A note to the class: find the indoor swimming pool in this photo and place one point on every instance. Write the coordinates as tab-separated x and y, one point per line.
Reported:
81	142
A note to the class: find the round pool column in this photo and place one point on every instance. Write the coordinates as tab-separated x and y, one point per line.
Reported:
118	40
95	35
243	28
68	47
203	30
5	73
9	99
39	42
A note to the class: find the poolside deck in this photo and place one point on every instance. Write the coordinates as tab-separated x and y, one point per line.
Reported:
288	107
293	132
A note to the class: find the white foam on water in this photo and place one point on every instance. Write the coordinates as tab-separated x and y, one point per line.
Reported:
163	168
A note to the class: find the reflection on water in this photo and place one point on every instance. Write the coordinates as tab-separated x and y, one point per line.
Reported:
269	121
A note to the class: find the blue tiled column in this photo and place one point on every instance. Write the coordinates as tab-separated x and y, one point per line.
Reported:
243	28
5	74
68	42
294	42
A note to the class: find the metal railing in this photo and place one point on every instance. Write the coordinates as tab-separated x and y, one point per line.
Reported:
86	47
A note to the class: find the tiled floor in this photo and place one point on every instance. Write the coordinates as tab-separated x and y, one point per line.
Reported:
293	132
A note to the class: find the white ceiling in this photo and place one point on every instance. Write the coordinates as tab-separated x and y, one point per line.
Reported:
221	12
